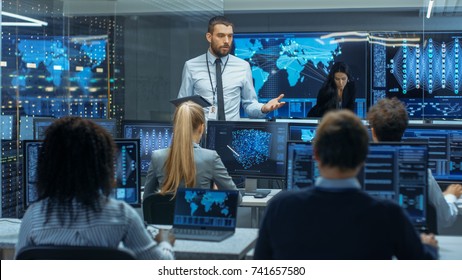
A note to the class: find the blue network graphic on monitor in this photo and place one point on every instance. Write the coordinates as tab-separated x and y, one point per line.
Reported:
426	75
56	75
297	65
245	151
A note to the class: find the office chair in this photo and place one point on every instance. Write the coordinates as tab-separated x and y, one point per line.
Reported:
50	252
432	222
158	209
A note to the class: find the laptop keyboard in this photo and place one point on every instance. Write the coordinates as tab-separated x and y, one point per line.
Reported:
201	234
263	193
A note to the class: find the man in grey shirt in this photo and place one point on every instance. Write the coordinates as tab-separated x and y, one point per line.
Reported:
199	77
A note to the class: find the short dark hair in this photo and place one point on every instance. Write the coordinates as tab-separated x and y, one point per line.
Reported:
75	164
341	140
389	119
219	20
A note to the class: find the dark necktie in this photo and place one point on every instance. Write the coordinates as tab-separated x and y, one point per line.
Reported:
221	103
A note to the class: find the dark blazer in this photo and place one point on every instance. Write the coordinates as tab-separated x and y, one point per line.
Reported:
327	100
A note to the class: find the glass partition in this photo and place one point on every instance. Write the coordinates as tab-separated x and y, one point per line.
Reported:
95	59
123	59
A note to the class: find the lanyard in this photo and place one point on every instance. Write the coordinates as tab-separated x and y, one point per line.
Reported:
210	76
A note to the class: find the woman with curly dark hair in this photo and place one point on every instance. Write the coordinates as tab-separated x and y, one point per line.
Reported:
75	177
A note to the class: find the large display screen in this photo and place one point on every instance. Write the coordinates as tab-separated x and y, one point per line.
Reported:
56	75
297	65
422	70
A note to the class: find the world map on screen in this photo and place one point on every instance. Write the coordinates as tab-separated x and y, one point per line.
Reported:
207	203
57	57
285	63
56	75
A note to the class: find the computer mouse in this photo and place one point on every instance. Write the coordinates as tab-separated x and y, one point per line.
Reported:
260	195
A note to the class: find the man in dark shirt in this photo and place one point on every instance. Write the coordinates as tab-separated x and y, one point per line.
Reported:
335	219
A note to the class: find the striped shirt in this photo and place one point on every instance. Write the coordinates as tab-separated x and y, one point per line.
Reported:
116	225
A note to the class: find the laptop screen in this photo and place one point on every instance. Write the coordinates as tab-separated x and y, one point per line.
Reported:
206	209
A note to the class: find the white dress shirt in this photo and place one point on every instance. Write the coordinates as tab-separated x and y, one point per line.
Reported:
198	79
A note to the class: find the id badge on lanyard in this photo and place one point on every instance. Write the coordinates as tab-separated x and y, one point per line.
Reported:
212	113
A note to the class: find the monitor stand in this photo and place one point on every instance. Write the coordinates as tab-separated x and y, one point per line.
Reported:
251	188
250	185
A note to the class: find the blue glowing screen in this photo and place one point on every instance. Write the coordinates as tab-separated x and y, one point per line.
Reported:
56	75
425	74
297	65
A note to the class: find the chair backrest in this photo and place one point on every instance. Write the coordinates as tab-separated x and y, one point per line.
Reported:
51	252
432	222
158	209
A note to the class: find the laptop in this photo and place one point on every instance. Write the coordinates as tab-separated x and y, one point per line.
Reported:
204	214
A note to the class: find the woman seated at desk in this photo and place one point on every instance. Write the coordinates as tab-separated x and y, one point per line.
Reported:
75	176
185	163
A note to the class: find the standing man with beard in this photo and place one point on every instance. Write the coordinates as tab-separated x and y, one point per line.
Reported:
200	77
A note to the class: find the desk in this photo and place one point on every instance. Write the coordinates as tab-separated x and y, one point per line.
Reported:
9	230
450	247
235	247
258	206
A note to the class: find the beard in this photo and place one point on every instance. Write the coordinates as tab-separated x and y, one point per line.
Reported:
219	51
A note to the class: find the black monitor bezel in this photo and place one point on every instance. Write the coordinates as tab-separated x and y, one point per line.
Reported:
298	124
26	202
143	122
421	226
431	126
267	175
36	120
361	172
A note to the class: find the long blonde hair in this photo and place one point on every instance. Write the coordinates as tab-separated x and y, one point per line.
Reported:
180	166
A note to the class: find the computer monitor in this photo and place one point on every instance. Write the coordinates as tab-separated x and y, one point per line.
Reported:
302	169
109	124
42	123
307	131
152	135
250	149
302	131
445	148
127	169
394	171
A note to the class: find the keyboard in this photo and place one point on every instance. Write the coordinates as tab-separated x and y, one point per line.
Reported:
262	193
201	234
